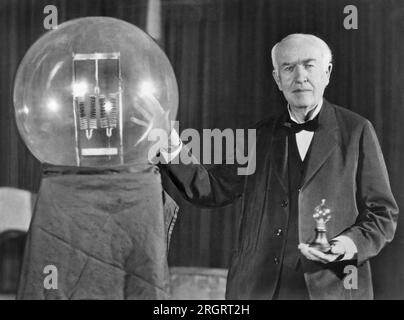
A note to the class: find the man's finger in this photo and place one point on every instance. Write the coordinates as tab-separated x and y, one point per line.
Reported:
304	250
316	255
337	248
325	258
153	104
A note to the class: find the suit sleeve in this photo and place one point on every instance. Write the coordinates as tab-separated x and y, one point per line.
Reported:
377	220
205	185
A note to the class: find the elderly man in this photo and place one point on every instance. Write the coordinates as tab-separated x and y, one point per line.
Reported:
315	150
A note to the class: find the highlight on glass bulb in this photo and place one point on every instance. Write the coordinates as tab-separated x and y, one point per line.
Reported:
79	89
52	105
147	89
89	92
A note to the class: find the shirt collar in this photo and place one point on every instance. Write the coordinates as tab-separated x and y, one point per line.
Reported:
316	111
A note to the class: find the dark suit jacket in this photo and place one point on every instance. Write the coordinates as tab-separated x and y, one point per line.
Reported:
345	167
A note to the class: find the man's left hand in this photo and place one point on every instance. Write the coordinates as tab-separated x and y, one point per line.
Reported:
337	251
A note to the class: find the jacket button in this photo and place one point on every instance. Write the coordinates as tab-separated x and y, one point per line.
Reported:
278	232
284	203
276	260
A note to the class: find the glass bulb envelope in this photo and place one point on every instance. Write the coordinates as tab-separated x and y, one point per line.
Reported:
89	92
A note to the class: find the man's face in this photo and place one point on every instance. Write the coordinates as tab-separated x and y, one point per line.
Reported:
302	73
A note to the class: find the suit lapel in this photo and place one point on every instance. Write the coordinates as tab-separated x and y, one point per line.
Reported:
324	141
279	152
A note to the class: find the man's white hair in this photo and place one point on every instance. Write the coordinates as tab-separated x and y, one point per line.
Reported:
325	49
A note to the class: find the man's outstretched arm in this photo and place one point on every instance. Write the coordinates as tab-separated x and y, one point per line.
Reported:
202	185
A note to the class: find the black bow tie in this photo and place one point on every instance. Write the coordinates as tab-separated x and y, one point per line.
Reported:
294	127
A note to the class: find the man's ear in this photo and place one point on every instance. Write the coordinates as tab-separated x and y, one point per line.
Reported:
275	74
328	72
329	69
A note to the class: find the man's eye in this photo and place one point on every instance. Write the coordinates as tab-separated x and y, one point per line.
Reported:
289	69
308	66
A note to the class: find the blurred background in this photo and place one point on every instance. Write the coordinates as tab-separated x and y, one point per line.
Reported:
220	52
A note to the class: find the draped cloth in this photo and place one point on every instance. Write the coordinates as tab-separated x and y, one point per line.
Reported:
106	232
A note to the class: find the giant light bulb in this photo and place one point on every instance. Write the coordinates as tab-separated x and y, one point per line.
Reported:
89	92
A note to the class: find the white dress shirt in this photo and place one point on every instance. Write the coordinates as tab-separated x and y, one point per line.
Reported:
303	138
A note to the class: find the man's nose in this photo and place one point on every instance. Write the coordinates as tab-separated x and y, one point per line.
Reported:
300	74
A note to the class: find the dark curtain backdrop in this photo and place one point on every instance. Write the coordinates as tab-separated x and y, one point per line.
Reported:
220	51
